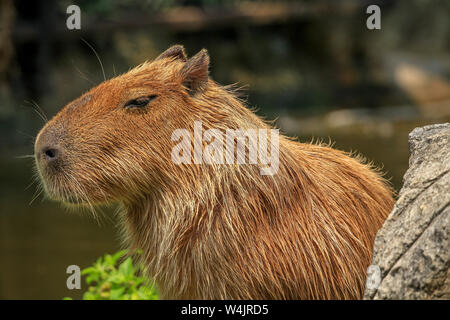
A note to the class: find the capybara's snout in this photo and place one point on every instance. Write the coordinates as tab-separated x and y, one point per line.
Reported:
48	150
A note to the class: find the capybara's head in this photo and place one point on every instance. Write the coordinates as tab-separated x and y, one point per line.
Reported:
115	139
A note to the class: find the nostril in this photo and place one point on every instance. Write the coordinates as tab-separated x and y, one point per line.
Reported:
50	153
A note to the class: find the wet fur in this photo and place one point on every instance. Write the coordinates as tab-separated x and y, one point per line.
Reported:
217	231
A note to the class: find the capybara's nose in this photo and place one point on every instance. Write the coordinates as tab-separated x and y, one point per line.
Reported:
49	154
47	149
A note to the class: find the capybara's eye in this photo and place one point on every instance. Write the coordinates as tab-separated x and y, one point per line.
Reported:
140	102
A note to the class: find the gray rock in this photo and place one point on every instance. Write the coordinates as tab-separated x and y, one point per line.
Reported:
412	251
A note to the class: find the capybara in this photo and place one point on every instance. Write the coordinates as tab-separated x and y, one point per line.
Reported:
211	230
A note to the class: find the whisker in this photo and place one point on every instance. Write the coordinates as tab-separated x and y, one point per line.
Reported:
43	117
32	182
98	57
37	193
25	156
82	75
40	109
82	194
26	134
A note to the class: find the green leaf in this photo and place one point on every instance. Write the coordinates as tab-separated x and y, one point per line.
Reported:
107	279
89	296
117	278
109	260
94	277
119	255
126	267
117	293
88	270
99	261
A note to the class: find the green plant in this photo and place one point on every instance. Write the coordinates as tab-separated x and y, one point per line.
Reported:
110	279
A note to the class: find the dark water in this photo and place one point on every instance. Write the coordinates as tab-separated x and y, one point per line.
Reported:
39	240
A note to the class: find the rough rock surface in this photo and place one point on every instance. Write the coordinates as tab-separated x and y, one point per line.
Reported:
412	249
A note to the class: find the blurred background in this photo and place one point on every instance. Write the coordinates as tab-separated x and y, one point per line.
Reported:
311	65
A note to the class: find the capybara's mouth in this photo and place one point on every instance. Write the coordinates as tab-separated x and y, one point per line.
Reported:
58	190
61	194
64	186
74	201
67	198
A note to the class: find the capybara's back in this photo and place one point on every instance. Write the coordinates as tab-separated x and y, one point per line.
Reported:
210	227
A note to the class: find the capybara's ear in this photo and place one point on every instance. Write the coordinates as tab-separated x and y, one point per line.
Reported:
195	71
176	52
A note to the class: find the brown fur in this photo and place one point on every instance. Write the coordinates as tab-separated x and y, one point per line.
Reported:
215	231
